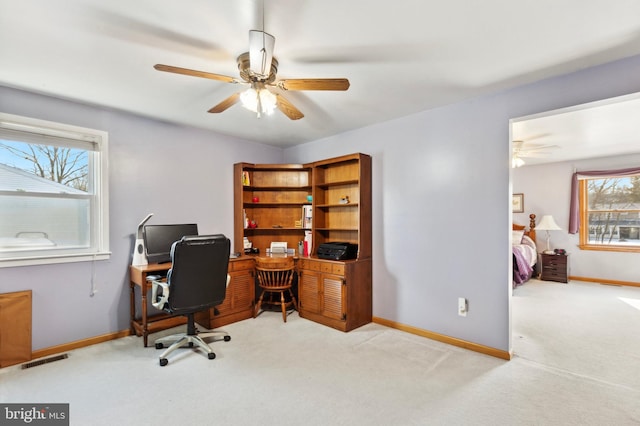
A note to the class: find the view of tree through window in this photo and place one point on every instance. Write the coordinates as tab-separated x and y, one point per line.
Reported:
612	211
67	166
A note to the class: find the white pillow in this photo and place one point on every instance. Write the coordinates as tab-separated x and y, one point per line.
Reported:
527	241
516	237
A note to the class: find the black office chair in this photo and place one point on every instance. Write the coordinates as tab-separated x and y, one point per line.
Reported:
197	281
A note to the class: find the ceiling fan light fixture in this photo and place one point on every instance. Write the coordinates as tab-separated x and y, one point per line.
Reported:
260	53
516	161
259	100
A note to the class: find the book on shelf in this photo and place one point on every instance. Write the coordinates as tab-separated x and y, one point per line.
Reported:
307	217
307	244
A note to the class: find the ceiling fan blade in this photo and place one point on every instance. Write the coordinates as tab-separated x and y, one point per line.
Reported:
225	104
534	154
288	109
314	84
529	148
194	73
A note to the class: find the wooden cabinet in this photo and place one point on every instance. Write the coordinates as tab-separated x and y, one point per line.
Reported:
554	268
271	196
15	328
334	293
239	301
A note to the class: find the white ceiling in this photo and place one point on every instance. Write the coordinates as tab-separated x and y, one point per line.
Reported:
401	57
597	129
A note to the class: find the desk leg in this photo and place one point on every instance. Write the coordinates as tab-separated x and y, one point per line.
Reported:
132	307
145	330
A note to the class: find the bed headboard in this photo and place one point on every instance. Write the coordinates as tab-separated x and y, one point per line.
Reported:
531	232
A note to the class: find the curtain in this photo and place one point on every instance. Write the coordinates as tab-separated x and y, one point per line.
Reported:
574	207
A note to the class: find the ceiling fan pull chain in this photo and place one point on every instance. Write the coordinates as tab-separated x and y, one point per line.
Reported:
259	109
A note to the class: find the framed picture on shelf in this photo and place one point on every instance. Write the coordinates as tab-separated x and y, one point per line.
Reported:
517	203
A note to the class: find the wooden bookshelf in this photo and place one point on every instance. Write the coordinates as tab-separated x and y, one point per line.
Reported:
334	293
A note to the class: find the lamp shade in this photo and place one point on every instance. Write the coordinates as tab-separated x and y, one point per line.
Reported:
547	224
259	100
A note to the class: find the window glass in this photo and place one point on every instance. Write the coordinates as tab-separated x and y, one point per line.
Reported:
611	210
53	198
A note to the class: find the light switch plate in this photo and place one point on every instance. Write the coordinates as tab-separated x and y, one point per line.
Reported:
463	306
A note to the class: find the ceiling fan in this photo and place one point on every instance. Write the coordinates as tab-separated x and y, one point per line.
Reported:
258	69
523	149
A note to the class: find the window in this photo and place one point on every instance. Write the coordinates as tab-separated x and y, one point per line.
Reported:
53	192
610	213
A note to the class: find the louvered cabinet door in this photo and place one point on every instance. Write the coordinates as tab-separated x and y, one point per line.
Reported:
309	292
333	297
239	301
322	297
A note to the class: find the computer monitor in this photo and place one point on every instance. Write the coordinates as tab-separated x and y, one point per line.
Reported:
158	239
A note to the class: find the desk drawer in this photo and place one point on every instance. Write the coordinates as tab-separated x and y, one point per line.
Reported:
241	264
328	267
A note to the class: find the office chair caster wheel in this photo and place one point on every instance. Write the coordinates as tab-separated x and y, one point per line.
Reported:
227	338
163	362
159	346
211	355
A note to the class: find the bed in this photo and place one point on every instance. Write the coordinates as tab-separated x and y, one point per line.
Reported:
525	253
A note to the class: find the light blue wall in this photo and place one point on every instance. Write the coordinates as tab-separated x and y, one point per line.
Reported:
179	173
442	201
441	204
546	190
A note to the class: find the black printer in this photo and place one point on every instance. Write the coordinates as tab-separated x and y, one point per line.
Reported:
338	251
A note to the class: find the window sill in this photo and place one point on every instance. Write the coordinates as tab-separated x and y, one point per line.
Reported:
48	260
625	249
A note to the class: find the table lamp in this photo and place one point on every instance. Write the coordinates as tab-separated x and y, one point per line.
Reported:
548	224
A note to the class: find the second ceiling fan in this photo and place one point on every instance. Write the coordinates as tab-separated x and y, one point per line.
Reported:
258	69
523	149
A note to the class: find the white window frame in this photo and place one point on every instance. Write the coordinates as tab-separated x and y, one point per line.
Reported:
31	130
584	221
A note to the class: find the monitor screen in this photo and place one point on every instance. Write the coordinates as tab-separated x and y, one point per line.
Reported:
158	239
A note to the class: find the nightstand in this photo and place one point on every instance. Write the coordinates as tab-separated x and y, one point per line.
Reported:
554	267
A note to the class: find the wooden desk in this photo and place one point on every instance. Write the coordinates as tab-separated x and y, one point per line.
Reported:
238	303
334	293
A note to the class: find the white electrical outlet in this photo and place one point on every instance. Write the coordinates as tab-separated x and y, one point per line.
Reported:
463	306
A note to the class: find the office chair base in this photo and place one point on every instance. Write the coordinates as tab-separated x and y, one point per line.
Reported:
189	341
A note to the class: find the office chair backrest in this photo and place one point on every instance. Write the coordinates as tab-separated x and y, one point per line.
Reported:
198	277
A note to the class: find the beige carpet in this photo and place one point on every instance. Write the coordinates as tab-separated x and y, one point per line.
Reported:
588	329
302	373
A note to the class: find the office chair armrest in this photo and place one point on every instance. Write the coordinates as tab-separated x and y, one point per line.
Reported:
159	298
